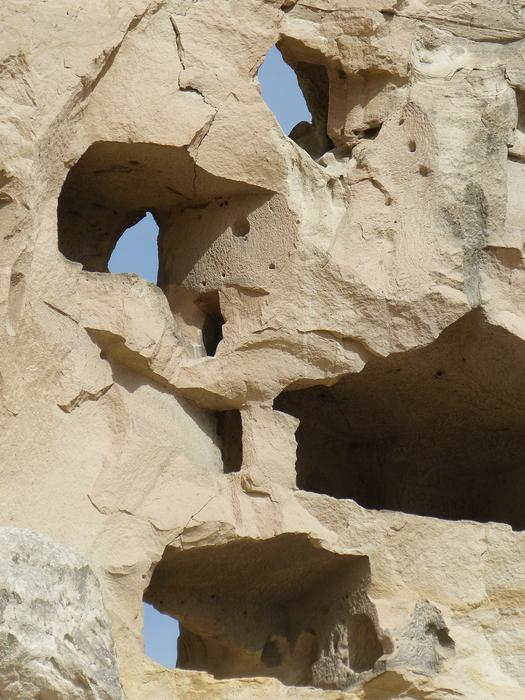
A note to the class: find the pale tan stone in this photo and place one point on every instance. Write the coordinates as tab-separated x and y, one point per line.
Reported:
305	442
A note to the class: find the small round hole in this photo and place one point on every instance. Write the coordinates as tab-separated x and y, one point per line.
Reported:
401	121
412	146
241	228
424	170
272	266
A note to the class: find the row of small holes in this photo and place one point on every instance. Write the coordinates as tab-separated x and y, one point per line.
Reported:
271	266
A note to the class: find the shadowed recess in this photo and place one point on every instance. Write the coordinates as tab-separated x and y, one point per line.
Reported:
114	184
119	198
437	431
229	433
283	607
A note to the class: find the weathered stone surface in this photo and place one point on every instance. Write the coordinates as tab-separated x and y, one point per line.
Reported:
305	441
55	637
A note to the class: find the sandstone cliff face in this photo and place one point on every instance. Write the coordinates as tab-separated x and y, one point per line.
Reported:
306	443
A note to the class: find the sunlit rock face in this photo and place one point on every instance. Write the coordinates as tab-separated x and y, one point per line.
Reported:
55	636
305	441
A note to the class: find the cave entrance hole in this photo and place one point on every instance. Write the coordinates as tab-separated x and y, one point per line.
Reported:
119	195
136	250
111	188
283	608
296	89
438	431
212	321
229	433
281	91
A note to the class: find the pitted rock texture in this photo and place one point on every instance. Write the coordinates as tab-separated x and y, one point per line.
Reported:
305	441
55	637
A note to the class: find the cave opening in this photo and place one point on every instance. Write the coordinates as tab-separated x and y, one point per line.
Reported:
281	91
229	433
161	636
212	321
437	431
110	189
136	251
283	608
138	208
297	91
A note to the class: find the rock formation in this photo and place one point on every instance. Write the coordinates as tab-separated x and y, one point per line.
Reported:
305	442
55	640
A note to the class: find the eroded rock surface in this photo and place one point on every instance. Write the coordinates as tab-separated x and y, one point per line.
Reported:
305	441
55	636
